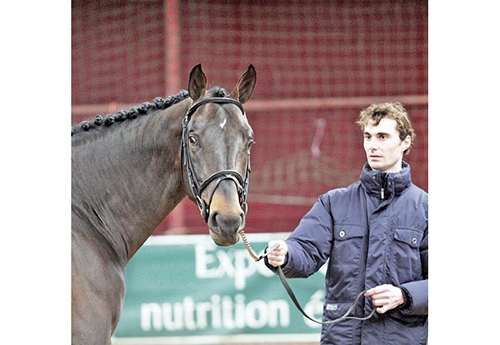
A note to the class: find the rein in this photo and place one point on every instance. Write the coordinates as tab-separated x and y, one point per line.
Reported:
292	295
196	187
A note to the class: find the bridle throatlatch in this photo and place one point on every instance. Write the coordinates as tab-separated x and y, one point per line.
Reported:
196	187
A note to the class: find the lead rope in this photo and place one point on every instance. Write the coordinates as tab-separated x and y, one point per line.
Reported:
250	250
292	295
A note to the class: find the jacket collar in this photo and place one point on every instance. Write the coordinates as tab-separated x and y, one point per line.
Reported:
386	185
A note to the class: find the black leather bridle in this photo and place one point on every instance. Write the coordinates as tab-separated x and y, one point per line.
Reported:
196	187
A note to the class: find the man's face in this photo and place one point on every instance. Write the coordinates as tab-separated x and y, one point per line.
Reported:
384	150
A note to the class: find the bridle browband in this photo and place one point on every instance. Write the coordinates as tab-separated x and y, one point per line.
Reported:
196	187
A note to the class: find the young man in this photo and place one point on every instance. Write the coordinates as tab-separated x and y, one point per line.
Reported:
375	234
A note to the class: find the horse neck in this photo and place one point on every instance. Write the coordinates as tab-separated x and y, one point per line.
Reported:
127	179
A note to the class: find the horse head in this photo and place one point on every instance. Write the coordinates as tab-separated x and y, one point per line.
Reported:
216	151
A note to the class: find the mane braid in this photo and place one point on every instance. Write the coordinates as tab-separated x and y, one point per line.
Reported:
122	115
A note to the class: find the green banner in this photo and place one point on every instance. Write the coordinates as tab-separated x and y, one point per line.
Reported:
186	286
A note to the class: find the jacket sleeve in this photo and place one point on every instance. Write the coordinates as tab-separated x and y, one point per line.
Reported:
309	245
417	291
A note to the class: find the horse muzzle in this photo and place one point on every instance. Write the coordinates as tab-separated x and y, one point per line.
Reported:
224	229
226	215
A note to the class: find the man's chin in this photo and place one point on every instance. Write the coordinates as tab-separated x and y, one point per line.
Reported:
375	165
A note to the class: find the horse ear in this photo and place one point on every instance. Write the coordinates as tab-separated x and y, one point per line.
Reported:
245	85
197	83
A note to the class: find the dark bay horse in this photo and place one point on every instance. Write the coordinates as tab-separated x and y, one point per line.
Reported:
130	169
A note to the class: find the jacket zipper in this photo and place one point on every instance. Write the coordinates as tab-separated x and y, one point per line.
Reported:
383	181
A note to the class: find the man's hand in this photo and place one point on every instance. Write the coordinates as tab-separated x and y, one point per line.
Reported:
385	297
277	257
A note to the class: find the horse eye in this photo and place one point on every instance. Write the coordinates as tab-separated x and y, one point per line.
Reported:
193	141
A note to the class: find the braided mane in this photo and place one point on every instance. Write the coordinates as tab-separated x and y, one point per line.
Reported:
145	108
122	115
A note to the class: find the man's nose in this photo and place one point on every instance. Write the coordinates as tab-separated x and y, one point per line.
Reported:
372	145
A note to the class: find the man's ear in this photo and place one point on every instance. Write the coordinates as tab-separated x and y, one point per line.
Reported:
407	143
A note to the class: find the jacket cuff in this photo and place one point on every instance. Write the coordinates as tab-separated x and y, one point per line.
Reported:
408	302
416	293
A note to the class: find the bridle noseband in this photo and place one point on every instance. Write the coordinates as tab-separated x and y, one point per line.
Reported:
196	187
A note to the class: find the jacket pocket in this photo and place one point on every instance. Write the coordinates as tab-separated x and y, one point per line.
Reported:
406	254
348	244
341	332
405	329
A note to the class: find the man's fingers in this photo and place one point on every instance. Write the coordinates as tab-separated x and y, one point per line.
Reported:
273	243
377	290
381	305
385	297
277	256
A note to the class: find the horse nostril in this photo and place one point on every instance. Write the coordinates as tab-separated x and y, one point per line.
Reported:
213	222
219	222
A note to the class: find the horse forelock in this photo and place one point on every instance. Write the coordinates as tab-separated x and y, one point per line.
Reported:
217	92
146	108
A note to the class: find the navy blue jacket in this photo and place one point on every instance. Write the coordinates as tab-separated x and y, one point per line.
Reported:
374	232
